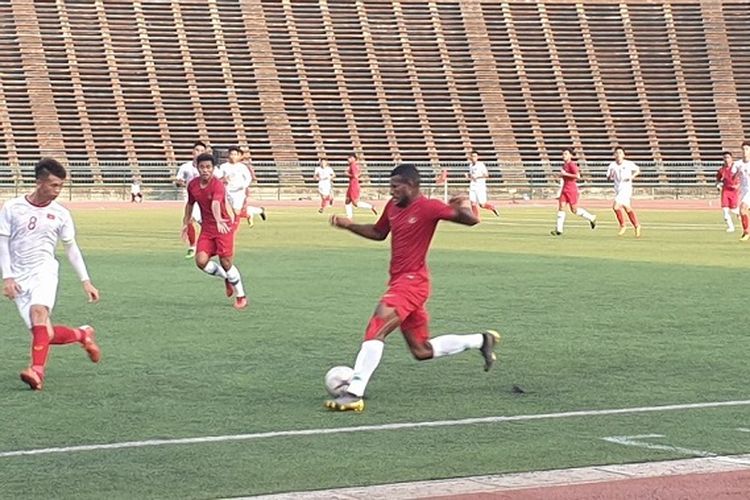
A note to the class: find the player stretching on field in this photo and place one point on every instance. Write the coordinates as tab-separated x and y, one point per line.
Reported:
742	168
478	175
186	173
411	219
30	227
324	174
729	183
570	173
622	172
217	230
353	171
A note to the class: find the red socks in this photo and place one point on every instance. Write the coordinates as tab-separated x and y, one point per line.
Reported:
620	218
745	222
66	335
191	234
39	348
633	218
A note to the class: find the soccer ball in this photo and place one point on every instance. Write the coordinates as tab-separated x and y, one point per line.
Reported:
338	379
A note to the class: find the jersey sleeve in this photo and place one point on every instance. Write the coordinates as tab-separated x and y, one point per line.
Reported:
218	192
191	198
383	225
441	211
5	220
67	231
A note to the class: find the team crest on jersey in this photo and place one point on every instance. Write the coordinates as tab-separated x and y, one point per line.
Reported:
412	220
51	216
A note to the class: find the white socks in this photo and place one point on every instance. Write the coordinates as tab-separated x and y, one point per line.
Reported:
728	218
365	205
215	269
560	221
447	345
349	210
254	210
234	278
368	360
581	212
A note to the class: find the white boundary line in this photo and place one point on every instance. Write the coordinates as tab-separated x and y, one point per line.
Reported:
366	428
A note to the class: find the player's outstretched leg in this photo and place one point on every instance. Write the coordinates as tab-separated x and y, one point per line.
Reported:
450	344
490	339
84	335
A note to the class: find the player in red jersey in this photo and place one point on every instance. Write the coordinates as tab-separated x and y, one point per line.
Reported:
353	171
728	182
411	219
217	228
570	173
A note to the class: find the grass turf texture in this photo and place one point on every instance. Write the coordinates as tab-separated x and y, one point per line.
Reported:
589	321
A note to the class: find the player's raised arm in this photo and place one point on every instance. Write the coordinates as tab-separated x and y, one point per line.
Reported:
463	214
368	231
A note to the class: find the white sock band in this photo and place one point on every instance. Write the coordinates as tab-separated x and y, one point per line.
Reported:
368	360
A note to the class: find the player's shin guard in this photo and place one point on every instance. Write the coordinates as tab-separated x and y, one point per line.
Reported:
65	335
447	345
560	221
620	218
633	218
39	348
233	275
367	361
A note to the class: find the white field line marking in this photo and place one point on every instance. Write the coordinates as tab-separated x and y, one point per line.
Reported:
743	429
366	428
636	441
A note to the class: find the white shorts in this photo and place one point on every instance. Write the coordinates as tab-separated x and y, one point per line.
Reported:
236	199
197	213
325	191
745	198
478	196
39	289
624	196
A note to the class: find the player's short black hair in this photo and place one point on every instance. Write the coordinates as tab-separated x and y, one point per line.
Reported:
352	155
618	147
234	148
205	157
727	153
474	152
569	150
49	166
745	143
408	172
199	143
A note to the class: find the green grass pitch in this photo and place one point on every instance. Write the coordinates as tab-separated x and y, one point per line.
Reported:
589	321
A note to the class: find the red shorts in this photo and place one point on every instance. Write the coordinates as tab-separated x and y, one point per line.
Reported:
569	197
221	245
352	194
730	199
408	294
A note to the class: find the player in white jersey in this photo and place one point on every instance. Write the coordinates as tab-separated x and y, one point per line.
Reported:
324	174
186	173
251	211
742	169
478	175
30	227
622	172
237	178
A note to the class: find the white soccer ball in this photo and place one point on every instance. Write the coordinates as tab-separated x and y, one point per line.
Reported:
338	379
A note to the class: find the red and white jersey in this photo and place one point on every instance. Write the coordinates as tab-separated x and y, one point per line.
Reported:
34	232
622	174
412	229
187	172
236	175
324	175
742	169
477	175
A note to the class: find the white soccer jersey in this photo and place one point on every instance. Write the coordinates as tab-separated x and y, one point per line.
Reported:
237	176
324	175
34	232
478	169
187	172
743	168
622	174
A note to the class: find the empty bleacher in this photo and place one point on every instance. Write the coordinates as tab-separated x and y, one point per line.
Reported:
134	83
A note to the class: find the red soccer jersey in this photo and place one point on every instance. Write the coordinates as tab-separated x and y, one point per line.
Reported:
215	190
411	231
353	173
728	179
569	183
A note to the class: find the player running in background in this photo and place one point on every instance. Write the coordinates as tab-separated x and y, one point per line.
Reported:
742	169
30	227
237	178
478	175
411	219
217	230
353	172
570	174
186	173
622	172
324	174
728	183
250	211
